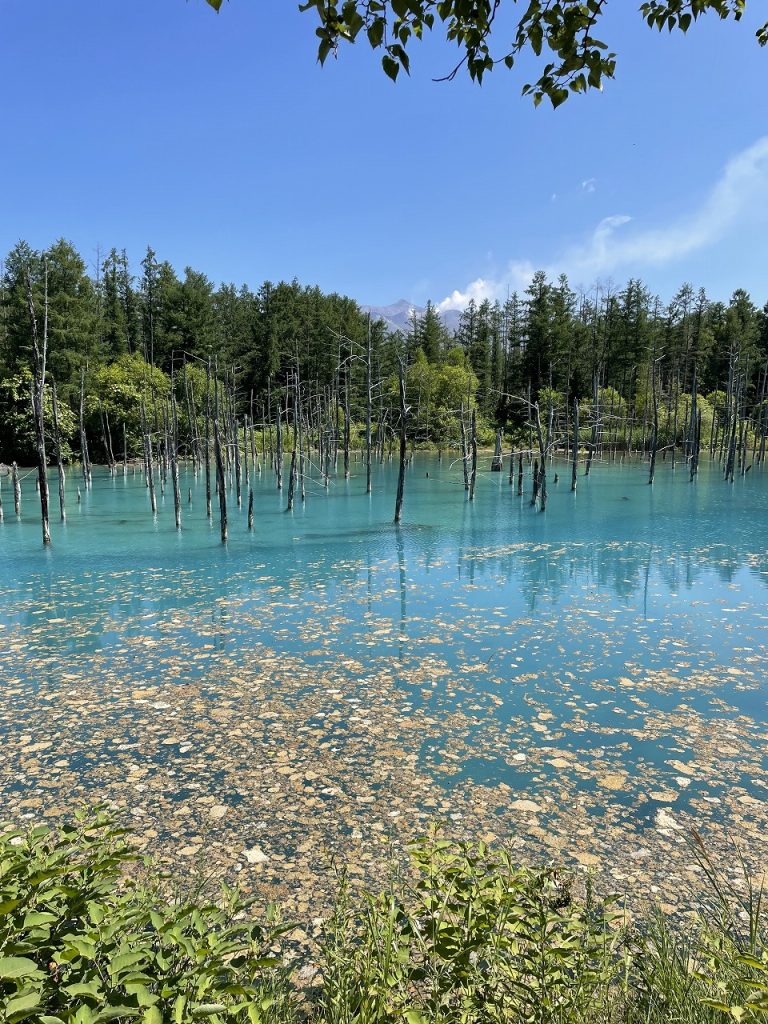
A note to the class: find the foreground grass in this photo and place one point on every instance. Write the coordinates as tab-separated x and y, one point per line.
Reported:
467	936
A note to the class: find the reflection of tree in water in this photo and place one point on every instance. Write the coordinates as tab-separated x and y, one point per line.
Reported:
624	569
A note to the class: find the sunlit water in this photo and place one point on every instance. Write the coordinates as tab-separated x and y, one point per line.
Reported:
580	656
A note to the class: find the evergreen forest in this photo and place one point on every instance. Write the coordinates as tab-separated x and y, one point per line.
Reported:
123	343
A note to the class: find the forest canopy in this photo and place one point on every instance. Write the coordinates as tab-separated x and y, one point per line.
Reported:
563	36
124	334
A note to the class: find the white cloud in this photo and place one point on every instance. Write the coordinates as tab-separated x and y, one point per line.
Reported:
589	185
741	193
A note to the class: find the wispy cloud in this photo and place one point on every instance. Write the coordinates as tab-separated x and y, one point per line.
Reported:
741	192
590	185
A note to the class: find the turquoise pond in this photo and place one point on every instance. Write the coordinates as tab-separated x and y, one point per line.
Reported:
567	678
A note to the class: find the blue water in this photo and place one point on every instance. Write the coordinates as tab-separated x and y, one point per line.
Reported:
622	629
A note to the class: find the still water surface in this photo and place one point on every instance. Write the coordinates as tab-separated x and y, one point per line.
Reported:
610	653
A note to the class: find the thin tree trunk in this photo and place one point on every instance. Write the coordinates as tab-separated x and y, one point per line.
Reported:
16	489
208	510
84	455
40	353
59	461
174	453
473	445
149	470
655	427
403	447
368	413
464	453
221	486
575	446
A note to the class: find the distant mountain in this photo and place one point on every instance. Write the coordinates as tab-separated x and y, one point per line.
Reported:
398	315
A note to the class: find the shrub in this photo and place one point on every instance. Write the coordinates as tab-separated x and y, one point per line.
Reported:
475	938
82	942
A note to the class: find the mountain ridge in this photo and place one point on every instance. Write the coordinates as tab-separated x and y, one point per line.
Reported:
397	315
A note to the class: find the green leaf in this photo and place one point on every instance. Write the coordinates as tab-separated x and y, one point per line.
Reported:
21	1006
17	967
391	67
123	961
414	1017
85	988
208	1009
113	1012
376	32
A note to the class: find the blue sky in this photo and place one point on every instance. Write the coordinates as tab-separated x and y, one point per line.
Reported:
218	140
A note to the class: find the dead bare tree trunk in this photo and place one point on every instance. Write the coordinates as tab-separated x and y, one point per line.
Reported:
279	452
520	474
346	425
655	428
368	399
149	470
696	447
59	461
39	356
84	455
174	454
464	454
16	489
497	463
535	494
403	446
208	510
473	445
543	455
221	485
575	445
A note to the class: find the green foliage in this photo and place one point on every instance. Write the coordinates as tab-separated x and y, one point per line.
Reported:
117	389
474	938
714	971
465	936
17	425
81	942
563	34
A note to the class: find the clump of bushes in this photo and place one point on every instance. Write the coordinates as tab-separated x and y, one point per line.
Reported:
465	937
82	942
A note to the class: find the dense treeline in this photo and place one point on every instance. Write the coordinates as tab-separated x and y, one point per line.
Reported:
640	371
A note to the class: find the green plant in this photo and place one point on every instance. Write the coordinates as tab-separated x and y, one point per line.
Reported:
82	942
474	938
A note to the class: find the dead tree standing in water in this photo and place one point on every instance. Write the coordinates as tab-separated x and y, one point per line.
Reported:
473	443
368	401
497	464
16	489
221	485
59	461
208	511
403	446
535	494
655	428
149	471
575	445
39	356
84	455
464	454
174	454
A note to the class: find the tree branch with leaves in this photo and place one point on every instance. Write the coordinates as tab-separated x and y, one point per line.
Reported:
562	33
